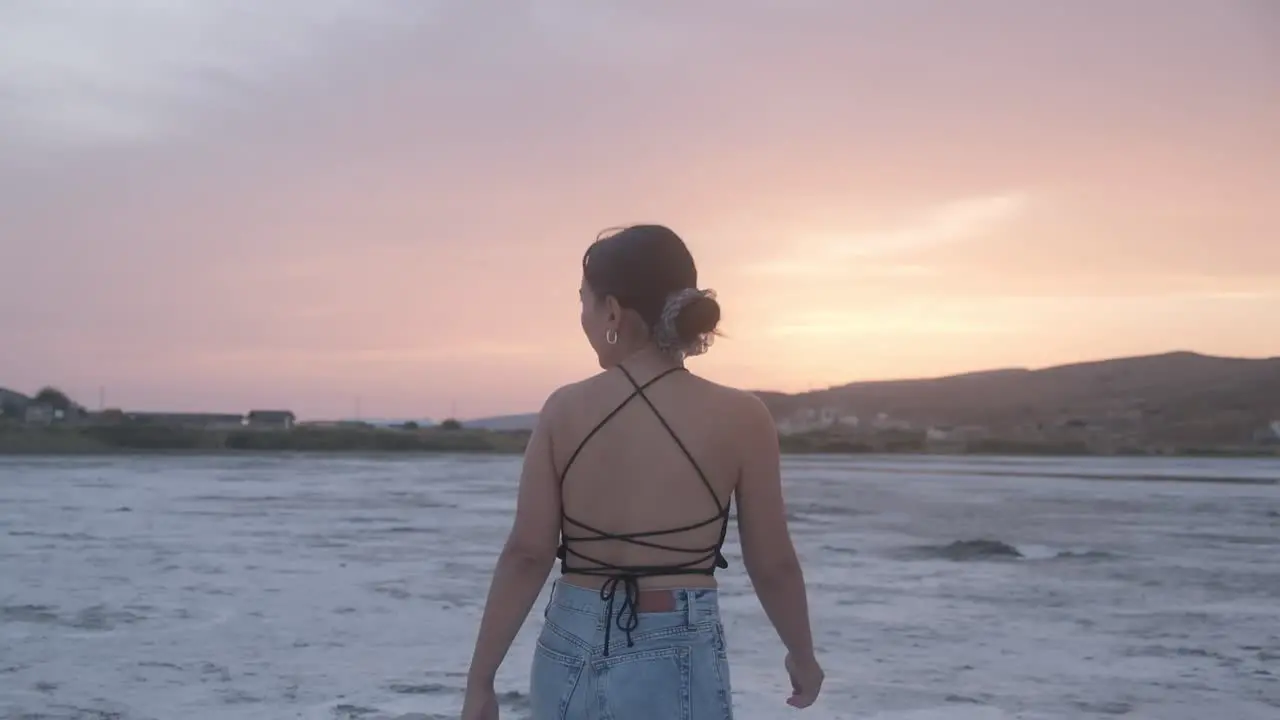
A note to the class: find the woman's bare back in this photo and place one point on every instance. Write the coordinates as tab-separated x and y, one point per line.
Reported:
632	491
633	474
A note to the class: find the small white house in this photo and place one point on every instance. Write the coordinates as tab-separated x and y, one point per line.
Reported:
41	414
849	421
810	419
884	422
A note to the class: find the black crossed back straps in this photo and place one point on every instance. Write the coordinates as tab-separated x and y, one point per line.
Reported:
629	575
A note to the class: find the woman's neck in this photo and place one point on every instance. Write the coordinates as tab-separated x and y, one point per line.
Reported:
649	360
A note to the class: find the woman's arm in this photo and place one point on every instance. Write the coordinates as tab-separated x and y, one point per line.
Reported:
767	551
527	557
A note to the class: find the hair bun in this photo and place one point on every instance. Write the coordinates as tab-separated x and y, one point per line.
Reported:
688	323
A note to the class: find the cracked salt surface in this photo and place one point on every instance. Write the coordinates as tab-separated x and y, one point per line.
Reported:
349	588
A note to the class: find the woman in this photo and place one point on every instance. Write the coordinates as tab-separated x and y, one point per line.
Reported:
627	479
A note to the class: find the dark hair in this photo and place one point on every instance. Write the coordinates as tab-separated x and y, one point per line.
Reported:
648	269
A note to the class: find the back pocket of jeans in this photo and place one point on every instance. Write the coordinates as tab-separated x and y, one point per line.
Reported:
552	680
646	684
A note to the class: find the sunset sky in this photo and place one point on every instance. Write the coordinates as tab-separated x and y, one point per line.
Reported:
234	204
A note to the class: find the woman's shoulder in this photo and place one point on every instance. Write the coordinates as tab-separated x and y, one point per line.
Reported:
570	397
573	391
737	398
735	409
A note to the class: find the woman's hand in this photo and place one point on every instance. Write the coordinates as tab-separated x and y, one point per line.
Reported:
806	681
481	703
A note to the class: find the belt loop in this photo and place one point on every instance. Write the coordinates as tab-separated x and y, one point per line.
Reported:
690	607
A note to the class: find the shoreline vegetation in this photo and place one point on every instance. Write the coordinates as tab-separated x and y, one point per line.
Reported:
452	438
1178	404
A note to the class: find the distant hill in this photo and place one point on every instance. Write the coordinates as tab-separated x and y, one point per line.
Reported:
1173	394
1170	395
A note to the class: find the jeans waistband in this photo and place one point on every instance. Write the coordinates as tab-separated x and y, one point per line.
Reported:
697	604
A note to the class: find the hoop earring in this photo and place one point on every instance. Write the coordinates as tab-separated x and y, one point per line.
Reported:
611	336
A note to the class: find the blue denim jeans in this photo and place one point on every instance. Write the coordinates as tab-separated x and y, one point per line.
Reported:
673	669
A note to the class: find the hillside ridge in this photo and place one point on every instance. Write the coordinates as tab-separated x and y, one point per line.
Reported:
1178	396
1014	371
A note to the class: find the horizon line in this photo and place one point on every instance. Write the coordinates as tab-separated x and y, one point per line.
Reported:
756	391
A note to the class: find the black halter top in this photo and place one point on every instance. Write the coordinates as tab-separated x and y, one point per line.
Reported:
628	576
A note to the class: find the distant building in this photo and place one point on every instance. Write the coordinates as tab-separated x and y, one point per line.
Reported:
940	433
271	419
884	422
810	419
40	414
13	405
8	396
944	438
